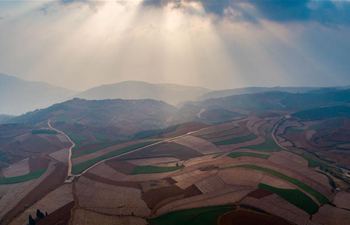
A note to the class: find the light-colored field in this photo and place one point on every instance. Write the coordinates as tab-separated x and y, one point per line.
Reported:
220	197
279	207
51	202
342	200
110	199
85	217
210	184
186	179
18	169
153	161
11	194
329	215
200	145
61	155
289	160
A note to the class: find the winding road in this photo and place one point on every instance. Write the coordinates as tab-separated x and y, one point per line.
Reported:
69	172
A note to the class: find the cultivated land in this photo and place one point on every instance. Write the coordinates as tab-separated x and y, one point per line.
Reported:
231	173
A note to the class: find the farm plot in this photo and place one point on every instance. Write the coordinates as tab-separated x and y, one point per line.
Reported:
156	198
61	155
197	216
79	158
306	188
85	217
166	149
50	203
200	145
220	197
268	145
329	215
210	184
18	169
236	140
248	154
153	161
12	194
110	199
293	196
342	200
154	169
23	178
80	167
279	207
187	178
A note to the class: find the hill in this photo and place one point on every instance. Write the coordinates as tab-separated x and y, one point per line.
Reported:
18	96
170	93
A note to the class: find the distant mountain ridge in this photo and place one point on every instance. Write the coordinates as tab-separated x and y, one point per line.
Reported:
170	93
18	96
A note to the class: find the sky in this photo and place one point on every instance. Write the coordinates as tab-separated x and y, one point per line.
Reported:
218	44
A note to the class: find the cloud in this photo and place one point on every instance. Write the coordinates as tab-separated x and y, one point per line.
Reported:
326	12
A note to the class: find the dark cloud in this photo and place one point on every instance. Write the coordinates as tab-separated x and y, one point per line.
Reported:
283	11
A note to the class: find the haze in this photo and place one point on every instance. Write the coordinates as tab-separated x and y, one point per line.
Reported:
78	44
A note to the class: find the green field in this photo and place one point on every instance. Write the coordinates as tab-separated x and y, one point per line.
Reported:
320	197
268	146
84	165
295	197
23	178
154	169
236	140
248	154
44	131
197	216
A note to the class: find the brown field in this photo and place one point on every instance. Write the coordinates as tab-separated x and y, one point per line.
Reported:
85	217
160	196
101	152
156	184
167	149
279	207
17	169
37	163
259	193
50	203
248	217
61	155
153	161
110	199
257	141
200	145
342	200
220	197
329	215
121	166
186	128
59	217
99	179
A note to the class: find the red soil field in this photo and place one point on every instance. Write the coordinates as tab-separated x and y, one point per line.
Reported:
259	193
121	166
60	217
112	182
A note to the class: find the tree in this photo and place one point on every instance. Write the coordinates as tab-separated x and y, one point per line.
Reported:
39	214
31	220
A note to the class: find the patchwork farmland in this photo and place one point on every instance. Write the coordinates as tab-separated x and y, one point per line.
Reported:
234	171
